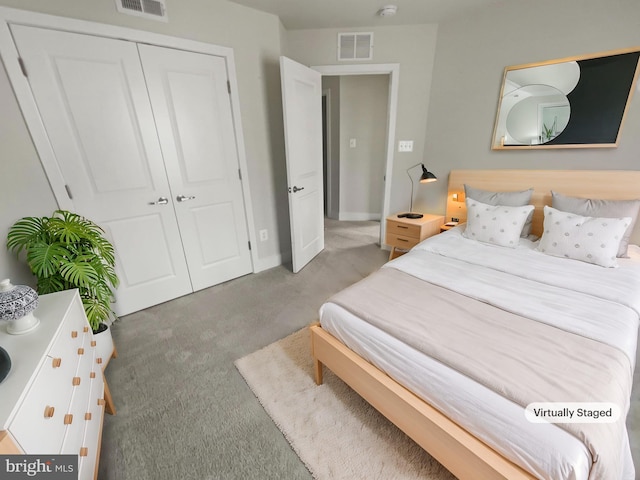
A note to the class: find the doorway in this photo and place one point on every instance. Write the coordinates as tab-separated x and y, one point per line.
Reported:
392	71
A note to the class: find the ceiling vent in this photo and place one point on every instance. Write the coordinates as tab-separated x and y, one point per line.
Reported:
154	9
355	46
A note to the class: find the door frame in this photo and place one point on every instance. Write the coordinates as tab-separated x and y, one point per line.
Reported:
9	54
393	70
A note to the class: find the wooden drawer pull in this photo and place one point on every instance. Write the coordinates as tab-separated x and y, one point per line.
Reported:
101	401
76	381
99	360
92	375
74	334
403	226
68	418
93	343
87	416
402	240
81	351
84	451
48	411
85	329
56	362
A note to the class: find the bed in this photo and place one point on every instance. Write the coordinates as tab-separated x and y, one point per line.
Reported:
403	339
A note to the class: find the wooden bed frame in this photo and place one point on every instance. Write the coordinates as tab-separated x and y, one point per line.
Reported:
456	449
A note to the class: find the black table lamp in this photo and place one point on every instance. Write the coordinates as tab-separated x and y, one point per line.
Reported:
426	177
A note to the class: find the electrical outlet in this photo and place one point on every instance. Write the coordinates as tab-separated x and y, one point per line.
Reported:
352	143
405	146
454	219
264	235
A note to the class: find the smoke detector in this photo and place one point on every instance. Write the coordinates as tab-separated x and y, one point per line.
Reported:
388	11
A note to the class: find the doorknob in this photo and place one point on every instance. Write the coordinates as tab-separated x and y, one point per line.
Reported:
296	189
160	201
182	198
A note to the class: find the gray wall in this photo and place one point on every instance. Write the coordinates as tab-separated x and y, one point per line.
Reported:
363	117
25	190
471	56
413	48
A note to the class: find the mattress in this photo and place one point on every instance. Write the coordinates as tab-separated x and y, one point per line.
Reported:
546	450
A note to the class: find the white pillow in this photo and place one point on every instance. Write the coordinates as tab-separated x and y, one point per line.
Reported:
496	224
588	239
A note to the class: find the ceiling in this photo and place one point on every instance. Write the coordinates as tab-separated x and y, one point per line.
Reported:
301	14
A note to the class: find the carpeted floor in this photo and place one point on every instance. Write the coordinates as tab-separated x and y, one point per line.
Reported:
183	410
333	430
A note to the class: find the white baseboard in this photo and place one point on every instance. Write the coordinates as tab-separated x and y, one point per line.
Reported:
272	261
359	216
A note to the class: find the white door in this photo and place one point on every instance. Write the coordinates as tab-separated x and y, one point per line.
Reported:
191	104
302	111
92	98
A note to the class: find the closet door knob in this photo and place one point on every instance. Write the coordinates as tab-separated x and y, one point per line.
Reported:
160	201
183	198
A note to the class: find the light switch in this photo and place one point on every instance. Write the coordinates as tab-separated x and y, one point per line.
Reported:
405	146
352	143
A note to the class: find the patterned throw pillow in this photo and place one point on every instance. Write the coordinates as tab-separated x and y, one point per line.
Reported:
591	207
588	239
496	224
511	199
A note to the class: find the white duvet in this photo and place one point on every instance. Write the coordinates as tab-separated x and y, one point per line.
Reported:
593	301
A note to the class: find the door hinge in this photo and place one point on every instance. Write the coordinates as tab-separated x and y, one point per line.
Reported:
240	174
23	67
249	242
66	187
229	87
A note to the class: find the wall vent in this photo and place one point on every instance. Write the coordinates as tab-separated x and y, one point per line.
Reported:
155	9
355	46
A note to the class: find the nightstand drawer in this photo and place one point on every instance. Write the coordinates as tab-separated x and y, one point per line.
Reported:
401	241
404	229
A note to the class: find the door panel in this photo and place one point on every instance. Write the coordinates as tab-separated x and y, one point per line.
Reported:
93	101
192	108
302	109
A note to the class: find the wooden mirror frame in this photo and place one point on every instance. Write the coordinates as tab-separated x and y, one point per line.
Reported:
606	78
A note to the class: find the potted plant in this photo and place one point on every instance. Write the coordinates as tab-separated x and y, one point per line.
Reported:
68	251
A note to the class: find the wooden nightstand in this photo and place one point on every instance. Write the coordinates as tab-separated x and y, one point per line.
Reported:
404	233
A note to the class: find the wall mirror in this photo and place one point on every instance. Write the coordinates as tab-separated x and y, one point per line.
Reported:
566	103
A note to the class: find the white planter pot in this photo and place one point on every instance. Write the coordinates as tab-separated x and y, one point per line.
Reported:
104	345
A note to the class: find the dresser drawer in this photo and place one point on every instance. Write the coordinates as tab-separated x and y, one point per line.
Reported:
43	410
404	229
401	241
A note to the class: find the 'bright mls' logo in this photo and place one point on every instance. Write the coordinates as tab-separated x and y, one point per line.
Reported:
49	467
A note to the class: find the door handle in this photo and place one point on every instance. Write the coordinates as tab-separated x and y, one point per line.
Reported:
296	189
182	198
160	201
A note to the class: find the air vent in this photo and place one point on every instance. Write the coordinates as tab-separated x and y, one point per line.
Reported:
154	9
355	46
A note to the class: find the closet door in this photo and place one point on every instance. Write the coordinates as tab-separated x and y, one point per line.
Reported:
93	101
191	104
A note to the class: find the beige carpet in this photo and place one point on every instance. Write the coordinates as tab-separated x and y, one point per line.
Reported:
334	432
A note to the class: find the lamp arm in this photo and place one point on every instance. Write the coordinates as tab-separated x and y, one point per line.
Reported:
411	178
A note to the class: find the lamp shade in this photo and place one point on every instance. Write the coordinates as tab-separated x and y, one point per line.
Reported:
427	176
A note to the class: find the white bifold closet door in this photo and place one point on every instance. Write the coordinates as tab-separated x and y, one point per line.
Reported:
144	138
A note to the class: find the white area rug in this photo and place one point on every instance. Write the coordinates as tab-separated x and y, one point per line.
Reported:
334	432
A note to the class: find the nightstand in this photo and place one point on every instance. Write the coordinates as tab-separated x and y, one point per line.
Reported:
404	233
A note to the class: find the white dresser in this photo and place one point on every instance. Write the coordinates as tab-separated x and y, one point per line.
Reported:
52	401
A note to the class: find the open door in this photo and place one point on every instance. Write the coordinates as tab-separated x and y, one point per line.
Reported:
302	110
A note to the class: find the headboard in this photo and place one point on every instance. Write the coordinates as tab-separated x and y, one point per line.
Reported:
604	184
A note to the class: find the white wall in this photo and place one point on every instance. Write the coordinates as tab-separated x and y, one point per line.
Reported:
256	39
413	48
363	117
471	55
